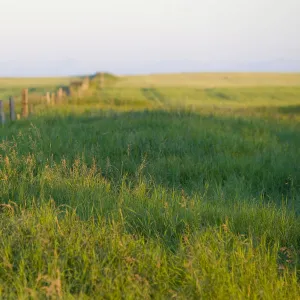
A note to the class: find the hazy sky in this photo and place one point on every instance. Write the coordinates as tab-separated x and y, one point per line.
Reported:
69	36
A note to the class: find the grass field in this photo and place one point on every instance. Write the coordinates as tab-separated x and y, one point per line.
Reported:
156	187
212	80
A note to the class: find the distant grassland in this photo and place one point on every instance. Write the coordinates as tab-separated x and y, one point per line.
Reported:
180	186
204	80
211	80
13	86
33	82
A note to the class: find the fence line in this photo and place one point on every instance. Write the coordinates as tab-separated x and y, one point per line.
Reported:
50	98
27	108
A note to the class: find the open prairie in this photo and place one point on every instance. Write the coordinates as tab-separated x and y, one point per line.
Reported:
175	186
207	80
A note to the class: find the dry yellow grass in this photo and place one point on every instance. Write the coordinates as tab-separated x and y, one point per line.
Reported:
33	82
171	80
212	80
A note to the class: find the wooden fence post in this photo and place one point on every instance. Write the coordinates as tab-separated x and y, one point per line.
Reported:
48	99
12	109
2	115
25	103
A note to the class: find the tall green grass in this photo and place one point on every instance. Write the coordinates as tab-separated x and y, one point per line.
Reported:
129	193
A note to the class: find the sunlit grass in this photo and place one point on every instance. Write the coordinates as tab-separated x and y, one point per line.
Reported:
33	82
211	80
154	192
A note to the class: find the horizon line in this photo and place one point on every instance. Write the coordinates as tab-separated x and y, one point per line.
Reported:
151	74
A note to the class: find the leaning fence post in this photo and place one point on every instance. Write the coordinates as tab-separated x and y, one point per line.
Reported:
12	109
2	115
25	103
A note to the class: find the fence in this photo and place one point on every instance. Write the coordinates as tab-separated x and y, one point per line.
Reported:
76	88
27	108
